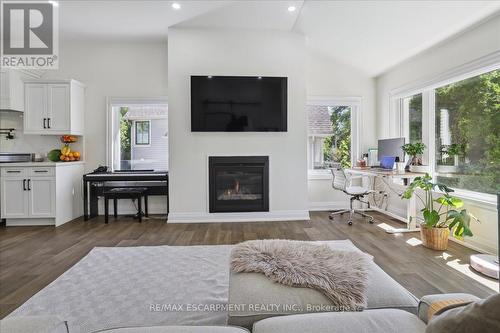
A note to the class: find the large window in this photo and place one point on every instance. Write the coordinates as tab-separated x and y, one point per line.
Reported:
138	136
413	107
467	120
331	135
463	131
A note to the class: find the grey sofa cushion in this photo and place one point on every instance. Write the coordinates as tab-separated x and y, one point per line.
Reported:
177	329
428	300
372	321
253	296
33	324
480	316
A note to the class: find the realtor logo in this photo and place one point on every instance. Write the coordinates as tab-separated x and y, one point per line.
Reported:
29	34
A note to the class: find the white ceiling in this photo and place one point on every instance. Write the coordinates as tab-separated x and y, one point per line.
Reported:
126	19
250	14
369	35
376	35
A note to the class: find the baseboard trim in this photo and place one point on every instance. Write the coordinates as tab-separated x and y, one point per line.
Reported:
327	205
203	217
9	222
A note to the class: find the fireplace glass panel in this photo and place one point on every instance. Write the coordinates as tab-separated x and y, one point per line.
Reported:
239	185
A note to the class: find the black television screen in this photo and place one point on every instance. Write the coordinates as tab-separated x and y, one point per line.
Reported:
238	104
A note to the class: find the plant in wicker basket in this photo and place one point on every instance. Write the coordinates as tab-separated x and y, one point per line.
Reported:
440	215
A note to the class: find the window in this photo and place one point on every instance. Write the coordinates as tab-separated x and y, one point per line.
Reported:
142	133
331	129
462	133
137	135
467	121
413	107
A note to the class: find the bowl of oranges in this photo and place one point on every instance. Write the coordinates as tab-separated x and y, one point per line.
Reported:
67	155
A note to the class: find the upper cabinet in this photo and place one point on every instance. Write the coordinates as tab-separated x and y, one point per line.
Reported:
54	107
11	88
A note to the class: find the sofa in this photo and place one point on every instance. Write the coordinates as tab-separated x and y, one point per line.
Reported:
372	320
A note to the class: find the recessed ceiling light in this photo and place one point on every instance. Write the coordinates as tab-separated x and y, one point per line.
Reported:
54	3
176	6
292	8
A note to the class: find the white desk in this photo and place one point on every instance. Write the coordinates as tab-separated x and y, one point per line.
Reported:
411	208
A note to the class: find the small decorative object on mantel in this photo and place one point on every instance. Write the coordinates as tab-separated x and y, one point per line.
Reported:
415	151
438	223
66	154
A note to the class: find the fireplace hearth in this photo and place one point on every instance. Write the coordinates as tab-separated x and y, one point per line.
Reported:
238	184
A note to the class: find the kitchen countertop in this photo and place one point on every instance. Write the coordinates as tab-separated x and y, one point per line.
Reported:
40	164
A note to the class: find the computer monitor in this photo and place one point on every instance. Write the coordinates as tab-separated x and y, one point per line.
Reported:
391	147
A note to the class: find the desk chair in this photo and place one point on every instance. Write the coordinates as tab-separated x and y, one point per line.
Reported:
343	183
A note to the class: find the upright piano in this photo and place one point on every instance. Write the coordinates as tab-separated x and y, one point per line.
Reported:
94	184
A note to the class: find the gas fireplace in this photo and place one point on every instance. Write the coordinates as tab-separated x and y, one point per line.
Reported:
238	184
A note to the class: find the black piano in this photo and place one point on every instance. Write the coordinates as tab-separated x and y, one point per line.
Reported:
94	184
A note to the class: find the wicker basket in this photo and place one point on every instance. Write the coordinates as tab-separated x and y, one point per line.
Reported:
434	238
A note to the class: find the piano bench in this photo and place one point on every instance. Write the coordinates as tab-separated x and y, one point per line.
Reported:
125	193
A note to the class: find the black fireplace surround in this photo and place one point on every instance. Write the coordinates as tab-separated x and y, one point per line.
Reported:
238	184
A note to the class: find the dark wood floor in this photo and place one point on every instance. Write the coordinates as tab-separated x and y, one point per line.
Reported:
32	257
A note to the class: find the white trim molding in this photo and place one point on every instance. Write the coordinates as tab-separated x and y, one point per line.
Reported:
203	217
470	69
328	205
117	101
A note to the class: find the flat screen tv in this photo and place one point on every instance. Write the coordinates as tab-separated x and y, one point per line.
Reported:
238	104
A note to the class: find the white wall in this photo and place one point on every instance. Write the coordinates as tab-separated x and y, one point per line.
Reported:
236	52
112	69
466	47
326	77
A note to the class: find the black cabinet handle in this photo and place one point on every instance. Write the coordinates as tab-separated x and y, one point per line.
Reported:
48	122
13	171
44	120
24	184
29	184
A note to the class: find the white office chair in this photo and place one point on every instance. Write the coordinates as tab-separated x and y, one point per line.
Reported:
343	183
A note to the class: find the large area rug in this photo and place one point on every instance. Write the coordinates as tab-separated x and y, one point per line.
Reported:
141	286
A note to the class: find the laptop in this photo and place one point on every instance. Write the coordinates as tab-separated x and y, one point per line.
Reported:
387	162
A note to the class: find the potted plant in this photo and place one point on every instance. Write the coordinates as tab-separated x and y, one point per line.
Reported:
440	215
453	151
415	150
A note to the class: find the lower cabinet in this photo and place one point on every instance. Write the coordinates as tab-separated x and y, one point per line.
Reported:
15	200
42	197
29	195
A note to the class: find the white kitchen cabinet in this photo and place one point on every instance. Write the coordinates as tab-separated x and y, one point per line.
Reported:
11	90
42	197
15	202
54	107
36	106
45	195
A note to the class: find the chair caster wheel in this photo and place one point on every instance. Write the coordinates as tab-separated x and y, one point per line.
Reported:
350	222
371	221
341	214
330	217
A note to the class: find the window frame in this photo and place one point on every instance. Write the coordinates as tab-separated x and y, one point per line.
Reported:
111	126
427	87
355	103
149	133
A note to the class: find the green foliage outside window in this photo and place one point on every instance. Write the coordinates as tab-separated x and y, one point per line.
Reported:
337	147
125	127
473	108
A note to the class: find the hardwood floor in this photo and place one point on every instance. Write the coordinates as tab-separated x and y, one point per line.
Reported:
32	257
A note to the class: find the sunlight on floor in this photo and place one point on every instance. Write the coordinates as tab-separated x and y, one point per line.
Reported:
468	271
414	241
385	226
